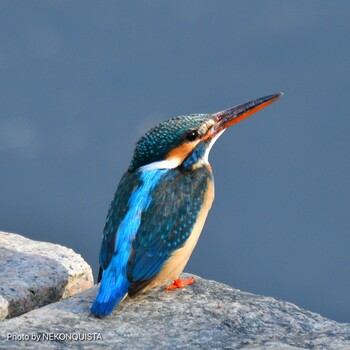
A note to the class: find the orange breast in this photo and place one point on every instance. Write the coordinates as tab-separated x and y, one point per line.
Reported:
178	260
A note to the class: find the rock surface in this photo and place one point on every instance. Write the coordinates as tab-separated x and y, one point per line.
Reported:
34	274
206	315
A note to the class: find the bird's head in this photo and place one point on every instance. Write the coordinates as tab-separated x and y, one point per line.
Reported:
186	140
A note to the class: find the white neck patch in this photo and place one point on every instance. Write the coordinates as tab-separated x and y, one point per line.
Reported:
162	164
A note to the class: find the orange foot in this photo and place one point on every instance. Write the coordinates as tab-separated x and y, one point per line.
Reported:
179	283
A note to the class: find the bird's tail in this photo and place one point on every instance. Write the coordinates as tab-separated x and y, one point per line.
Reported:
110	294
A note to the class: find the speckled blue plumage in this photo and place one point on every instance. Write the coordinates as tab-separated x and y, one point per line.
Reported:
146	223
167	223
114	283
165	136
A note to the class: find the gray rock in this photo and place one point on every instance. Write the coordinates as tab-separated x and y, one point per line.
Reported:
34	274
4	308
206	315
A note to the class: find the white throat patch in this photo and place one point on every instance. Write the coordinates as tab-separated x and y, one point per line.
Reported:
213	140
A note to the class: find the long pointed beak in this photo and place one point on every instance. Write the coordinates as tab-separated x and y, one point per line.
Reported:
235	114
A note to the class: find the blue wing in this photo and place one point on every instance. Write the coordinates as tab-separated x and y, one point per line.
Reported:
123	221
152	214
119	207
166	223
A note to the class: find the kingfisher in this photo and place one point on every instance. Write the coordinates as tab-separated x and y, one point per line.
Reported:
161	204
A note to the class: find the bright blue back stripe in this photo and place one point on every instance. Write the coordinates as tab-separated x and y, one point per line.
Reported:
114	284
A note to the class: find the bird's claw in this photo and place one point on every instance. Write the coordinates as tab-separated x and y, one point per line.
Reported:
180	283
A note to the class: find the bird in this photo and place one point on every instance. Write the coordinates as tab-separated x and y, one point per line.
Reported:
161	204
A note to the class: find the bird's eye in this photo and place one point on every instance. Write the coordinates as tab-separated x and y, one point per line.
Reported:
191	135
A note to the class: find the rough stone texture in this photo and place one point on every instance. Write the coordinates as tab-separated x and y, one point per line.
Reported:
34	274
4	308
206	315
